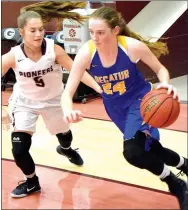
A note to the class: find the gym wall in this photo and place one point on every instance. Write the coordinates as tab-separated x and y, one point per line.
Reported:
176	61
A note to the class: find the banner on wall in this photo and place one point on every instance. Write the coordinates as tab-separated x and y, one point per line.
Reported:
76	34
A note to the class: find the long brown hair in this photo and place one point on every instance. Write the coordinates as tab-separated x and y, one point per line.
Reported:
114	18
49	10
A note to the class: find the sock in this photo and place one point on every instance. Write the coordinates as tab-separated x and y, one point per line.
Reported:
66	148
165	172
30	176
181	162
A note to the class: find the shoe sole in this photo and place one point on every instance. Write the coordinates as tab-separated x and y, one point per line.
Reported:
22	195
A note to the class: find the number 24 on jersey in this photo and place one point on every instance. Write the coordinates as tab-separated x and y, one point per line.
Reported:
118	87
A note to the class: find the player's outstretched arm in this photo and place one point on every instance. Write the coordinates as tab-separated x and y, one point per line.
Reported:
79	66
140	51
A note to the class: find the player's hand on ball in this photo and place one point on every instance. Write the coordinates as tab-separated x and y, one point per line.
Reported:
171	89
72	116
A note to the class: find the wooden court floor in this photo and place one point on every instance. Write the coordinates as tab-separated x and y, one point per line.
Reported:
68	190
106	181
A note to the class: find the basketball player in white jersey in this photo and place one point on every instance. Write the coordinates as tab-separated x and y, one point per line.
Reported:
37	64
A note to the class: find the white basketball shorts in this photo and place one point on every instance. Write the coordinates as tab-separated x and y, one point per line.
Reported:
25	113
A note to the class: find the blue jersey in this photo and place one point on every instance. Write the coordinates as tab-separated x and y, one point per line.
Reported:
121	79
123	88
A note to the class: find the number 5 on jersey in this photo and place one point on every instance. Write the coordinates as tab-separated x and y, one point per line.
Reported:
39	81
118	87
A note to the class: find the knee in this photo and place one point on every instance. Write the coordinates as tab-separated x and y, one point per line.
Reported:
21	143
65	139
156	147
134	149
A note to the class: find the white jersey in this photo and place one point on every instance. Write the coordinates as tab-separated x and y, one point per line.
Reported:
41	80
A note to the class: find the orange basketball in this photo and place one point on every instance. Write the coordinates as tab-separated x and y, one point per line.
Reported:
159	109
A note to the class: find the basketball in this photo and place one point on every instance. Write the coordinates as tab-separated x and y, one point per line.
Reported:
159	109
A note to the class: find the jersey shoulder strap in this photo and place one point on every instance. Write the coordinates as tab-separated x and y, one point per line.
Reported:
92	48
122	42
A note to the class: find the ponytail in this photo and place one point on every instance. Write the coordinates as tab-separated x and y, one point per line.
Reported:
158	48
58	10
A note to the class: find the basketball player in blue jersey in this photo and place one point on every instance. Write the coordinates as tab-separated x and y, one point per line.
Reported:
37	64
111	55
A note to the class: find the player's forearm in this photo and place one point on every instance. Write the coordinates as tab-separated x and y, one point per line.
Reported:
88	80
163	75
66	101
4	70
70	89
